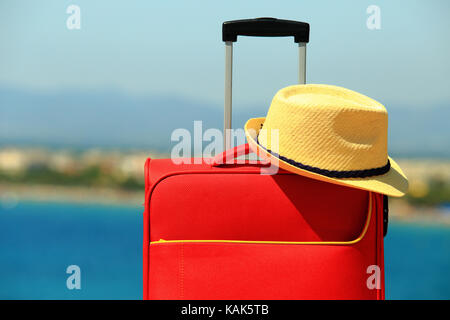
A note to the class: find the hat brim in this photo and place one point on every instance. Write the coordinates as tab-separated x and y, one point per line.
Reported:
393	183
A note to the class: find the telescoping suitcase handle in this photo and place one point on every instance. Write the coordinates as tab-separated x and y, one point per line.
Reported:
259	27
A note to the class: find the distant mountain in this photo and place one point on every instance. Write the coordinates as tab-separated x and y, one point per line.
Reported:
112	119
107	119
420	132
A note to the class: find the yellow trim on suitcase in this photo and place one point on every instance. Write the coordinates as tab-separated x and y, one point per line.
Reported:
360	237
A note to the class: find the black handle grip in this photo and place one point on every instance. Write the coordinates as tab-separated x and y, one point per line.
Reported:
265	27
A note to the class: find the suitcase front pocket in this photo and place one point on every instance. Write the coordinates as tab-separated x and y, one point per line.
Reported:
250	207
219	270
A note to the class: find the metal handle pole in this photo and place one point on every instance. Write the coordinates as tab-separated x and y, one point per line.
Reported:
228	94
302	62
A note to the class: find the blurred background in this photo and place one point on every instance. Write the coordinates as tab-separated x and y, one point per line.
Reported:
84	102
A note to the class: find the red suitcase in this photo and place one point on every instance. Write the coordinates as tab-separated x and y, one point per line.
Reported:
226	231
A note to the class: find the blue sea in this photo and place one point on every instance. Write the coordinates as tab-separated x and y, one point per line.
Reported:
38	241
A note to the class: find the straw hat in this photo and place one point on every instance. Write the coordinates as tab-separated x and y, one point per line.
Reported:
330	134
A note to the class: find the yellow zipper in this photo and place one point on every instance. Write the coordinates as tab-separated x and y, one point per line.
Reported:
361	236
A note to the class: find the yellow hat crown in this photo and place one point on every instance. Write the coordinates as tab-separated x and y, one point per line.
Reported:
327	127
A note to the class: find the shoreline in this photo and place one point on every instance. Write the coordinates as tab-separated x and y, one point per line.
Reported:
12	194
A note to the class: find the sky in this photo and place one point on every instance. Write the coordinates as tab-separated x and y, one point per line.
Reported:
174	48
